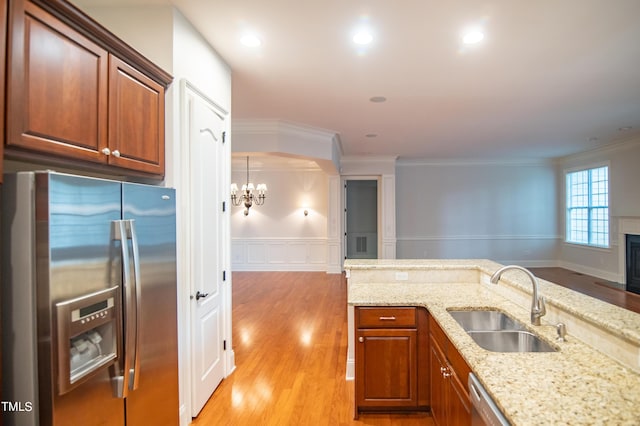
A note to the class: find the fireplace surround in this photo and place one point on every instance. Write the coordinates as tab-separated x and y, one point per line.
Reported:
629	252
633	263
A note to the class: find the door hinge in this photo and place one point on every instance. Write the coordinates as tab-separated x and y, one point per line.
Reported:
224	206
224	345
224	275
224	137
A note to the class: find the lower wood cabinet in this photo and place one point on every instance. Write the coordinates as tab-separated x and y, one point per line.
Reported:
450	403
391	356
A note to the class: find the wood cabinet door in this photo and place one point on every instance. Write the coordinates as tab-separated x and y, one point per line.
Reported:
136	119
459	403
438	365
386	368
57	87
3	59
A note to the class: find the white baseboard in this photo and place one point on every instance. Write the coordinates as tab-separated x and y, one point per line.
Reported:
605	275
351	369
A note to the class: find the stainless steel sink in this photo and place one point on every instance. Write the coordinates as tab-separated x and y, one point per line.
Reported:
496	331
472	320
510	341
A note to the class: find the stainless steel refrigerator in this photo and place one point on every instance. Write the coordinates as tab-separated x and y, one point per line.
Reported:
89	315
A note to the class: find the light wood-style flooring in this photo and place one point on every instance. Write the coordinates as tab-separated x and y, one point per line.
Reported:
290	343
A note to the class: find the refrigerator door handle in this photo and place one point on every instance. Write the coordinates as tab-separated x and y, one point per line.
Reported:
120	378
135	368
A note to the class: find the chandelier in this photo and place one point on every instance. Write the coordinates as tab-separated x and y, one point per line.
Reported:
247	195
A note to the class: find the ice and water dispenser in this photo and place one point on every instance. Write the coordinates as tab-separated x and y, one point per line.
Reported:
87	336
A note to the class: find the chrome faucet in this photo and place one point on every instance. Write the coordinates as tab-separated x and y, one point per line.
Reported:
538	308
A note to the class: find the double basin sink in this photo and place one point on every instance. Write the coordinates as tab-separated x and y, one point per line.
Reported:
495	331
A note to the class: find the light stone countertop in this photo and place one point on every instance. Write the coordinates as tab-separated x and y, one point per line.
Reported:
576	385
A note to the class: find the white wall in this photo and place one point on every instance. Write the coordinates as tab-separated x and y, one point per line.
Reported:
500	211
277	235
624	201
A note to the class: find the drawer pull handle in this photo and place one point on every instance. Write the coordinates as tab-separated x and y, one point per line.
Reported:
387	318
361	339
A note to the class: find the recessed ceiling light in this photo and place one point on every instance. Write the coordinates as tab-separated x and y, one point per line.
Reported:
472	36
362	37
250	40
378	99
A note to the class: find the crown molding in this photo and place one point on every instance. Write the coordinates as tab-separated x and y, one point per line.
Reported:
630	142
514	162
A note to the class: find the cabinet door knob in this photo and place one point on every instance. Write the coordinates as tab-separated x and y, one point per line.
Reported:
106	151
360	339
116	153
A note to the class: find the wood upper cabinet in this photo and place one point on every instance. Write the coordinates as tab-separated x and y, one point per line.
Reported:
136	119
390	371
71	99
57	91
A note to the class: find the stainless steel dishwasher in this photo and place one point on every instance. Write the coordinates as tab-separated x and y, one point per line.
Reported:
485	411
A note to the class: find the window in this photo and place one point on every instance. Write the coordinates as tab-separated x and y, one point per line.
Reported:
588	207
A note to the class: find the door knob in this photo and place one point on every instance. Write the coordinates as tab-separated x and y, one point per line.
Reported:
201	295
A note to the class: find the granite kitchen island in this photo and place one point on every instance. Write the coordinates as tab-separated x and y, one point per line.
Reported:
592	378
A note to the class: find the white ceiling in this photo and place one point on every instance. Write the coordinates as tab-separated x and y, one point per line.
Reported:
551	78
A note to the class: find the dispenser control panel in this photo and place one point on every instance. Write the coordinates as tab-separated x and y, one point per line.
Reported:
87	336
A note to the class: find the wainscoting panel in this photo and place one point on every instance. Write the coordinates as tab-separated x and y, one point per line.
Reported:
279	254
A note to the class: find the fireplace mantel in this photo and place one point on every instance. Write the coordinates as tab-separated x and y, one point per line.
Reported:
626	226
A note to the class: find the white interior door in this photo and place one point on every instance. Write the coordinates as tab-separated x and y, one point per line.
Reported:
206	269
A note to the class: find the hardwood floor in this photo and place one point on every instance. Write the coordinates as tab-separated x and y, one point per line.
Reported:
592	286
290	342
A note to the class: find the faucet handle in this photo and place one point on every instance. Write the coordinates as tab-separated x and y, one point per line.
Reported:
543	305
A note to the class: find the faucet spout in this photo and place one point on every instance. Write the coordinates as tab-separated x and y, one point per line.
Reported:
538	308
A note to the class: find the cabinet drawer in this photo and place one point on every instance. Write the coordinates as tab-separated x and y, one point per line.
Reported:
385	317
